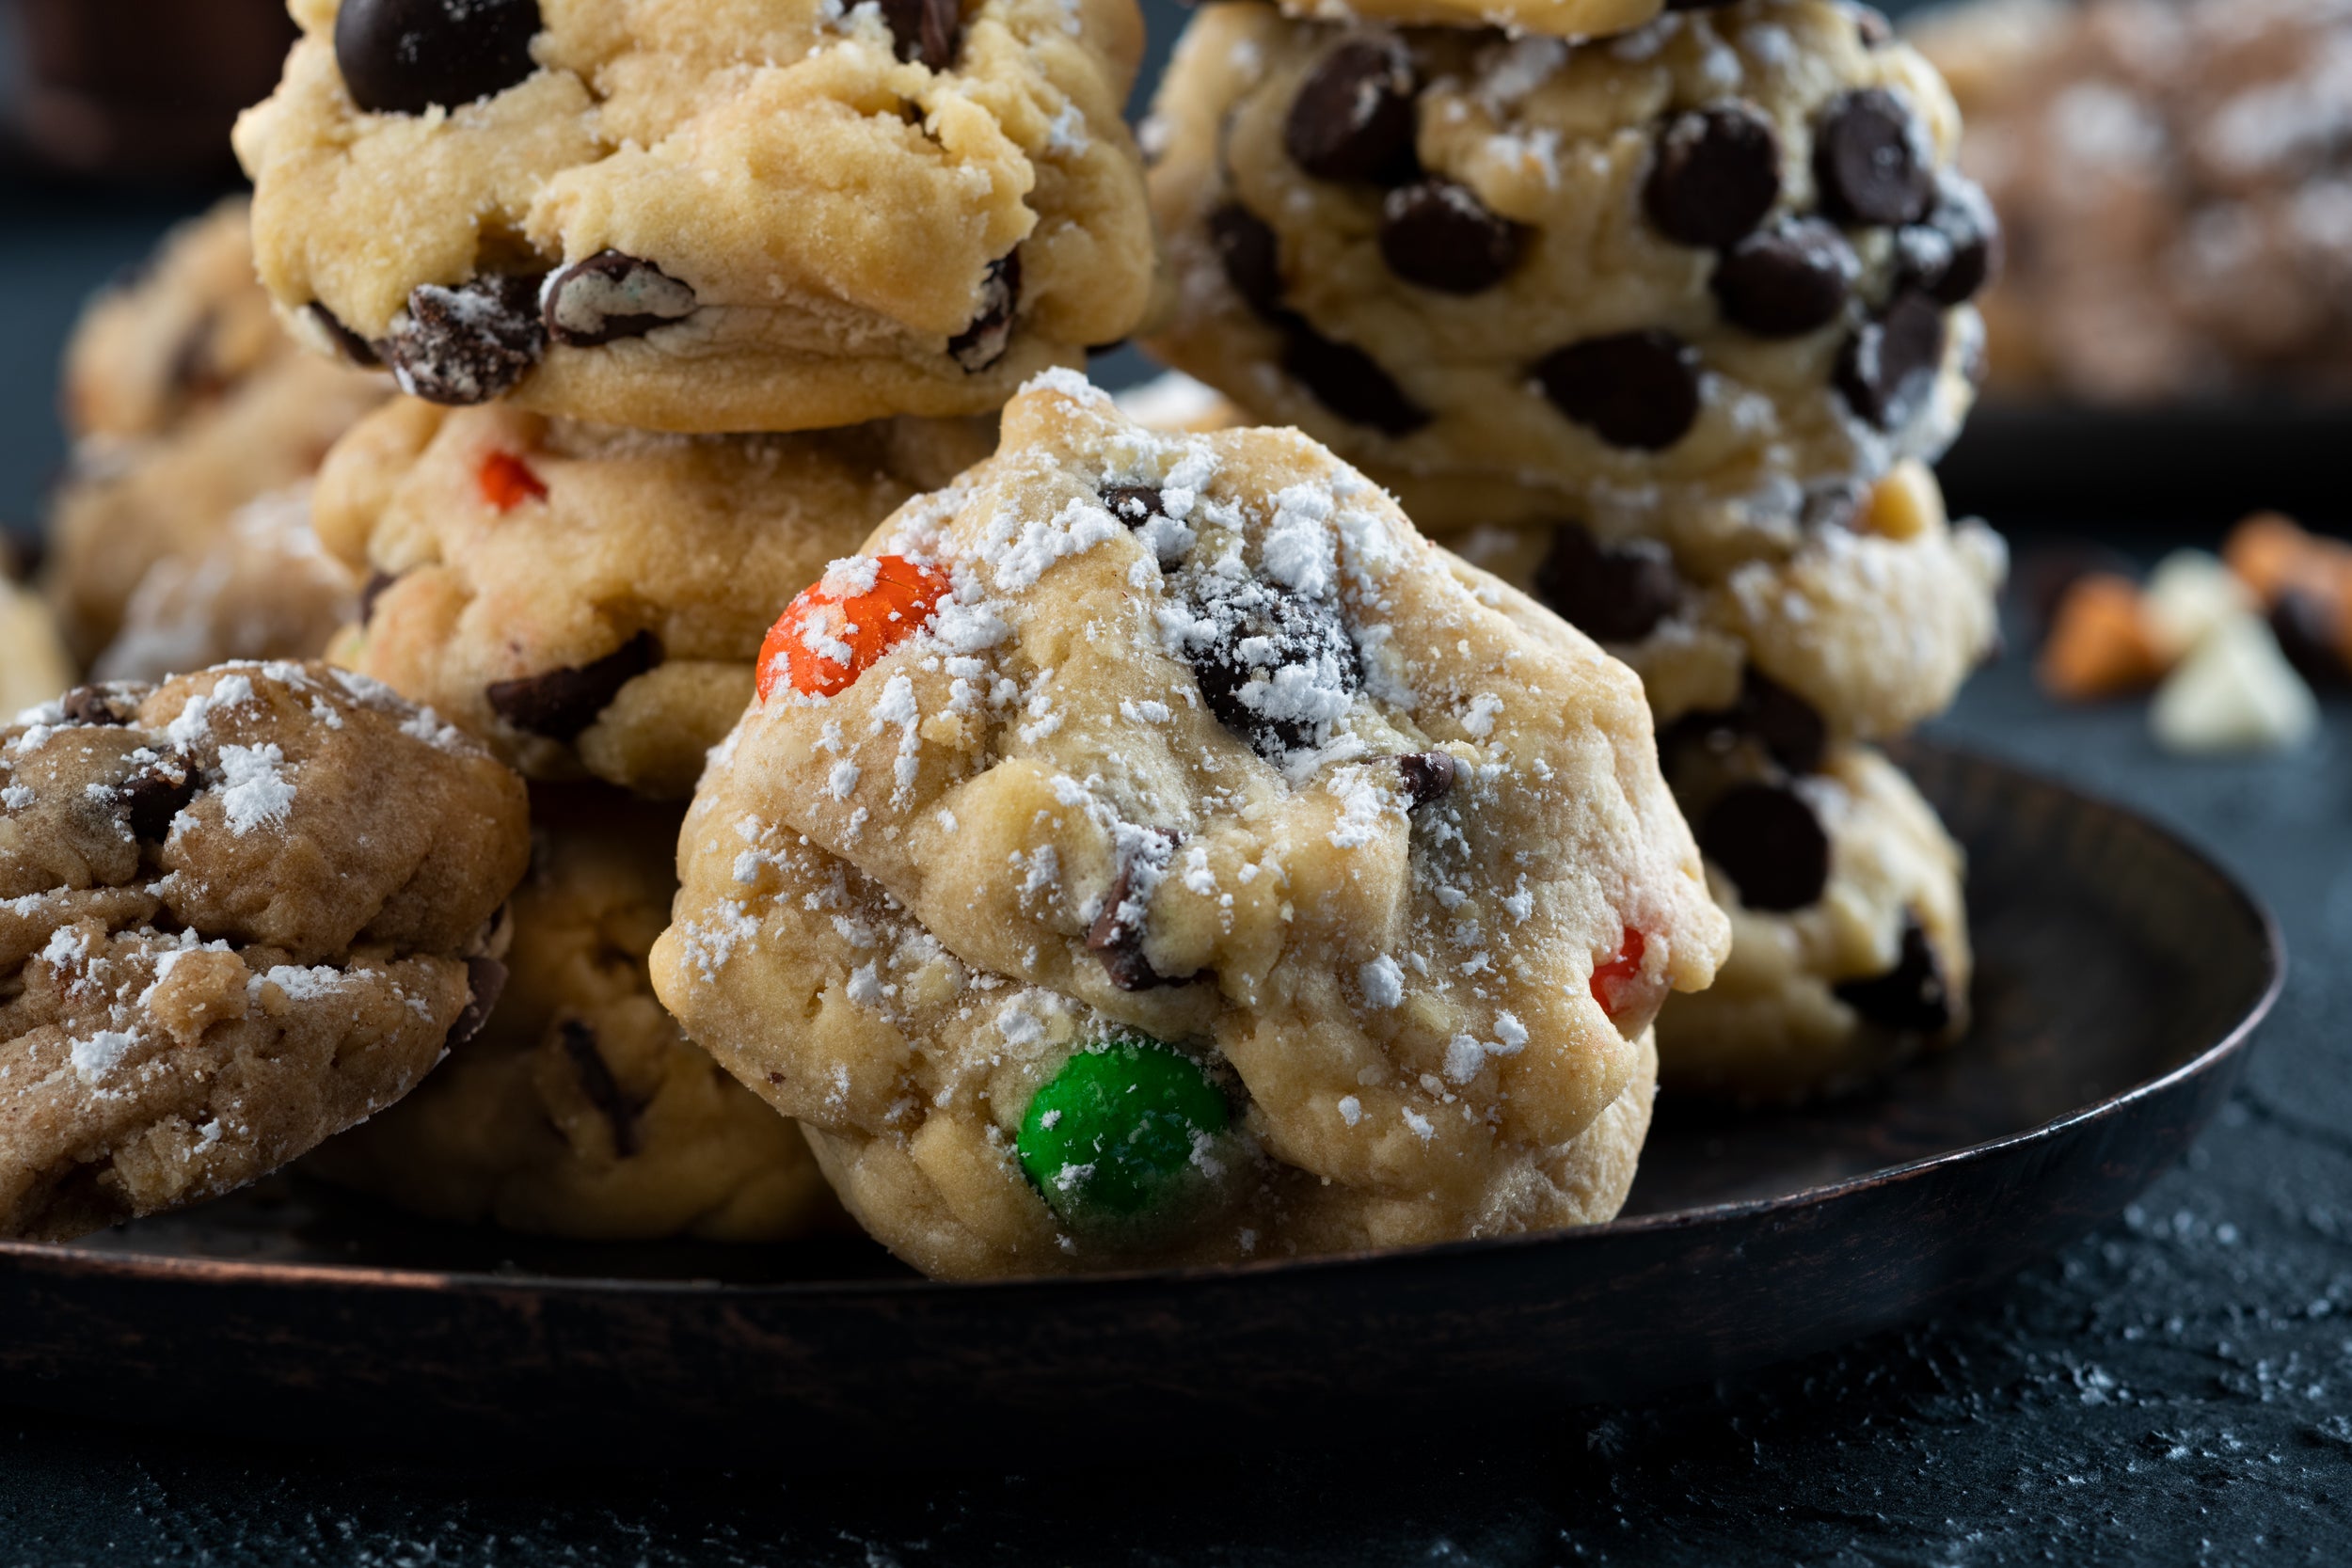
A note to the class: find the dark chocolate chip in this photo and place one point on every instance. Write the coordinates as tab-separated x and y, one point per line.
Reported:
1866	161
20	555
1353	118
1790	728
1887	369
1349	382
2305	625
1912	998
485	981
98	705
405	56
982	343
1715	174
1439	236
1261	631
1610	594
1117	938
1132	504
1956	251
1832	504
927	32
468	344
1786	281
596	1079
150	798
1246	248
376	583
194	372
1770	844
559	703
349	344
1637	390
1427	775
611	297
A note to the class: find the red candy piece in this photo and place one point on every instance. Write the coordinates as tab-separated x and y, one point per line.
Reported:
1614	982
507	481
827	641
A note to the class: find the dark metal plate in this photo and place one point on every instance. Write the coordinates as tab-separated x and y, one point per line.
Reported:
2122	976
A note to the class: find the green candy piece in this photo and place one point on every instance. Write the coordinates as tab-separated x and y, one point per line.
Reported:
1112	1135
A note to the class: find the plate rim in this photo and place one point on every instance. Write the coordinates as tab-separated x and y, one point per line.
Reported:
71	1258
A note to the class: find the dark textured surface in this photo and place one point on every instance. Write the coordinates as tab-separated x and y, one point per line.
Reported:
2176	1388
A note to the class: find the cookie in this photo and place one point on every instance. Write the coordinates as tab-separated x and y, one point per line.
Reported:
581	1110
184	329
1849	934
647	213
2174	177
32	663
239	912
1149	848
262	590
1688	278
591	600
1871	621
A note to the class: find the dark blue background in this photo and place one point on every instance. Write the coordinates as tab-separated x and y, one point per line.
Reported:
2177	1388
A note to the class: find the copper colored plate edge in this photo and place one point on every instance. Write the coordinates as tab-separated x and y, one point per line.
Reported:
69	1258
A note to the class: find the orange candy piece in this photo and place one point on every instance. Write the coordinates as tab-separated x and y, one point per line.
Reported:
506	482
826	641
2100	643
1616	982
2274	556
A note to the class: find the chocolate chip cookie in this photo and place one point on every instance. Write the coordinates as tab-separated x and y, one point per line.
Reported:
590	600
1850	937
1149	847
644	211
1689	278
186	402
1871	621
239	912
580	1109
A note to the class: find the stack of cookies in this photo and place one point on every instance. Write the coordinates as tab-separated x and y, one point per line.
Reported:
682	301
1659	317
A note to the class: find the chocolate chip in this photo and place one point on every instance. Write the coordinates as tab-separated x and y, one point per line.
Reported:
348	343
2305	625
1786	281
1790	728
1914	997
1427	775
1832	504
1353	118
1610	593
1871	26
1246	248
1770	844
150	798
927	32
982	343
611	297
194	373
1953	253
1715	174
596	1079
1269	658
1349	382
1866	160
1637	390
1117	938
405	56
1132	504
373	591
99	704
1887	369
468	344
20	555
485	981
1439	236
559	703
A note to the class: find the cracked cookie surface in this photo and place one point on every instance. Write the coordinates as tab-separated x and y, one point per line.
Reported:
685	216
1177	773
238	912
